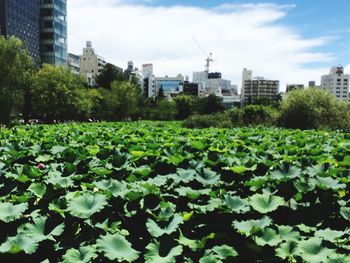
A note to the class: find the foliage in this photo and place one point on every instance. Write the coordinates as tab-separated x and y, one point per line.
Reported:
210	104
16	67
219	120
157	192
254	115
108	75
57	94
185	105
314	109
163	110
118	103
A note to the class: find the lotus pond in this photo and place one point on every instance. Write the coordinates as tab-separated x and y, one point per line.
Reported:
156	192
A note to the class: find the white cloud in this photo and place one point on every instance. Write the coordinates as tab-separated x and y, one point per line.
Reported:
238	35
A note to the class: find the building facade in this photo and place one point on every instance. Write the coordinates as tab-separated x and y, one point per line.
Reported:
149	87
74	63
171	86
21	19
337	82
53	32
257	88
91	64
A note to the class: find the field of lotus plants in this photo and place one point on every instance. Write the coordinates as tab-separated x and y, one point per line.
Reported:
157	192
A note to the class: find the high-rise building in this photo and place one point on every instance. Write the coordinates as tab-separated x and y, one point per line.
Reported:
337	83
91	64
53	32
290	87
257	88
149	86
20	18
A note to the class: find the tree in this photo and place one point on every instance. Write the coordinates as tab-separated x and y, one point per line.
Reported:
109	74
185	106
16	70
120	102
164	110
209	105
58	94
160	95
314	108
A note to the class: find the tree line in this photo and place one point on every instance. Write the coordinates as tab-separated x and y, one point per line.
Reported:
54	94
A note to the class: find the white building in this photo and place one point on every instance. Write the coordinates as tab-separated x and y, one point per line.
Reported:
337	83
91	64
258	88
149	87
211	83
74	63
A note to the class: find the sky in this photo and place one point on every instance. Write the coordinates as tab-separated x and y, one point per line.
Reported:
292	41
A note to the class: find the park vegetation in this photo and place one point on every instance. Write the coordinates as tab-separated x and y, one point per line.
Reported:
54	94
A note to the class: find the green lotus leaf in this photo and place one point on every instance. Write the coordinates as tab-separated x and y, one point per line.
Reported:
56	179
345	212
84	255
144	171
286	173
207	176
57	149
338	258
313	251
36	231
265	203
223	252
269	237
157	231
250	227
191	243
330	235
183	175
116	247
37	189
169	256
19	243
191	193
288	234
209	259
213	204
101	171
85	205
10	212
305	228
237	204
303	185
237	169
286	251
328	183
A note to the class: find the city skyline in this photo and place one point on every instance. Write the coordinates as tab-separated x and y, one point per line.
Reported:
278	41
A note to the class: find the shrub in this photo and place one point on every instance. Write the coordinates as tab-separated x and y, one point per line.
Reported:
314	109
253	115
218	120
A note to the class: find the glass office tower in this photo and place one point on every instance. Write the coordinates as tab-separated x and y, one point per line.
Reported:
53	32
20	18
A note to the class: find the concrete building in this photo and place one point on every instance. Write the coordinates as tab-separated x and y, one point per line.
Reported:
53	32
149	87
21	19
211	83
312	84
258	88
74	63
337	83
91	64
190	88
171	86
290	87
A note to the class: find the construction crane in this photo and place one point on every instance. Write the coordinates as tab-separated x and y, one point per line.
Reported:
208	59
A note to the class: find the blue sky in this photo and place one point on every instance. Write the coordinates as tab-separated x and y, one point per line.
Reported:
292	41
311	18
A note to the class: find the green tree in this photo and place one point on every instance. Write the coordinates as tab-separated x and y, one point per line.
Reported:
314	109
209	105
163	110
185	106
109	74
160	94
120	102
57	94
16	69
